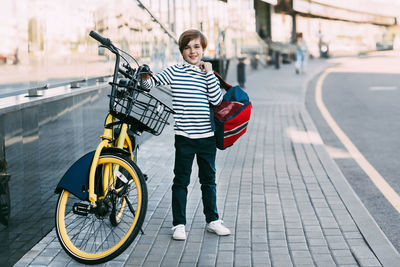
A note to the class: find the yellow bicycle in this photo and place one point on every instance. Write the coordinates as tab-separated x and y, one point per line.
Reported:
103	196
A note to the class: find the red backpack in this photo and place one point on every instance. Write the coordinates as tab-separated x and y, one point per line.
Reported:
232	115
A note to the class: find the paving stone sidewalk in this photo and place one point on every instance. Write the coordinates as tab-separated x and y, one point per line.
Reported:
277	191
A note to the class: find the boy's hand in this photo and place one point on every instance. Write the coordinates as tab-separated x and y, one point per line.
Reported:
145	72
206	66
145	76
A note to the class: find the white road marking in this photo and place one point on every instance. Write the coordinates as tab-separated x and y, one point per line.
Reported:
383	88
372	173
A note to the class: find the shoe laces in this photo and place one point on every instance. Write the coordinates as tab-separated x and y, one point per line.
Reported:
219	221
178	226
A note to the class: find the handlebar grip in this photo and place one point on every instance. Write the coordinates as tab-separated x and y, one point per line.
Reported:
145	69
99	38
125	74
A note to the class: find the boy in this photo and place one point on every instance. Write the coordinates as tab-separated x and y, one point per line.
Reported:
194	87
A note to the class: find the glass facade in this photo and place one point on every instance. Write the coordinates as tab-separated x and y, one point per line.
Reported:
47	41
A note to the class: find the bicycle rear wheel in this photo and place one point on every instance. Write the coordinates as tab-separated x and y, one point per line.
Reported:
95	235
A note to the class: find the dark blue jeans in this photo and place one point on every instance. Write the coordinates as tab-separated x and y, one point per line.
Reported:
205	151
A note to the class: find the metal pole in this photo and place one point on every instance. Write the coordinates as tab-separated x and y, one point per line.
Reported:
294	26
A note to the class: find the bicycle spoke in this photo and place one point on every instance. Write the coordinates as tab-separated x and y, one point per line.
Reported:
94	235
84	226
87	233
101	238
112	232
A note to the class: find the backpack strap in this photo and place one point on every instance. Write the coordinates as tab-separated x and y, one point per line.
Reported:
225	86
222	82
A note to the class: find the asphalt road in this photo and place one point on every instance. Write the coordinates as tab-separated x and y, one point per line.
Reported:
363	98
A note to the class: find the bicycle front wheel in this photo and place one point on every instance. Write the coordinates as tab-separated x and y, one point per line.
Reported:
93	235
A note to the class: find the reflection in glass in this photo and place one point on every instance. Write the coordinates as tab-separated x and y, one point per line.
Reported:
47	42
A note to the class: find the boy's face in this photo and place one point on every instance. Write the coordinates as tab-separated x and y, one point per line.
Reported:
193	52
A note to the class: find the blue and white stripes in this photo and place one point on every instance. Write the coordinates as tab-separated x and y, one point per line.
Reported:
192	92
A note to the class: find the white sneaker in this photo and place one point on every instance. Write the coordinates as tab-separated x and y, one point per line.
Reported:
179	232
218	228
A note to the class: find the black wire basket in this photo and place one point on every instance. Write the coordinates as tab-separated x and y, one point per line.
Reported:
139	109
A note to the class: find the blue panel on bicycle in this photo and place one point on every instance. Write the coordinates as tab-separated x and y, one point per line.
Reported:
76	179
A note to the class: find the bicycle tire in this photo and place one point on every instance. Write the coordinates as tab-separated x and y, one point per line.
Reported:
94	237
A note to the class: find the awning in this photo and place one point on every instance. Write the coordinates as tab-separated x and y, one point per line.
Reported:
326	11
272	2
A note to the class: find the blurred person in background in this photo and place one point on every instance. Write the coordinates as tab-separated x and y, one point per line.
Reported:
262	32
301	53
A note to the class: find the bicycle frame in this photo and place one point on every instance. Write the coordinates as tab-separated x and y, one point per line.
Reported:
107	141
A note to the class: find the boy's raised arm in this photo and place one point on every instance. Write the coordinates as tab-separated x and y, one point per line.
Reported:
214	89
163	78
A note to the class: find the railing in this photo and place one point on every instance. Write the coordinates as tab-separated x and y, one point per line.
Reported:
33	92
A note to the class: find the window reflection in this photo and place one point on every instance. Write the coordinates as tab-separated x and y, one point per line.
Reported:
47	42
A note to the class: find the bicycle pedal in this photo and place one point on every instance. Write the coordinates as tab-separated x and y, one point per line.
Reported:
81	209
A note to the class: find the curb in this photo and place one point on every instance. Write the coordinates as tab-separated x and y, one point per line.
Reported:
373	235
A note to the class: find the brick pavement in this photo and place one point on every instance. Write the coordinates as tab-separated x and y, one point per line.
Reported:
277	192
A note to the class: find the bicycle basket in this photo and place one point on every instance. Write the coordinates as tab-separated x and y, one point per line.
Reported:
140	109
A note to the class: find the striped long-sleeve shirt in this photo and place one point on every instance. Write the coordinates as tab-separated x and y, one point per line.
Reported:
192	92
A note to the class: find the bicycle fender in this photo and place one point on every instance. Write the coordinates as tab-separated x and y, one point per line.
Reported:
76	179
116	150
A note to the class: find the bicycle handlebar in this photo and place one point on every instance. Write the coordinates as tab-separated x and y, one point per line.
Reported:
126	75
101	39
135	76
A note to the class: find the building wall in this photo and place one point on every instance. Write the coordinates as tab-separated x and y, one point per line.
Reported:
343	38
348	27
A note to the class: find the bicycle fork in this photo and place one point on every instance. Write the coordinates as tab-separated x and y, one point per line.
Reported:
111	173
107	140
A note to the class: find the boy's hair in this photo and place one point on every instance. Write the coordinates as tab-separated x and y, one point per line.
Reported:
188	36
